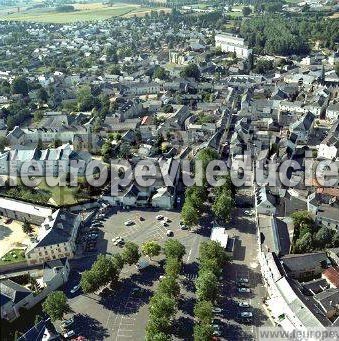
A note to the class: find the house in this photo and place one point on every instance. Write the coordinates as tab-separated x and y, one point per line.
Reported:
329	147
56	238
332	112
303	127
16	136
163	198
15	296
331	275
265	201
23	211
305	266
328	301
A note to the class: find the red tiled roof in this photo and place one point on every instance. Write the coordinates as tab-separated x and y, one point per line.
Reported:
332	275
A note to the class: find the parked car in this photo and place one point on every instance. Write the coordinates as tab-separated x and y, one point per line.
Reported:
129	222
119	241
75	289
183	226
244	304
217	310
141	218
159	217
243	280
216	330
169	233
67	323
137	292
246	314
8	221
69	334
247	212
244	290
167	220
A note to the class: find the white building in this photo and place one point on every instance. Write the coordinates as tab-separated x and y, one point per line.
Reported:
56	238
230	43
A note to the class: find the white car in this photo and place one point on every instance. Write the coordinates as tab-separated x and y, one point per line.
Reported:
169	233
159	217
246	314
216	310
244	290
75	289
69	334
248	212
244	304
167	220
129	222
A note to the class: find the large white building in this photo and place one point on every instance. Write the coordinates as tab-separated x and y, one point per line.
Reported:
56	238
230	43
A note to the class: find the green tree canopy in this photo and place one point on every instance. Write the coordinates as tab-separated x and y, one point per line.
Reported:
203	332
174	249
131	253
56	305
169	286
173	266
20	86
206	284
191	70
203	311
151	248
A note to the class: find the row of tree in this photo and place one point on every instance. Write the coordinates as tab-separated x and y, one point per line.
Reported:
163	304
212	258
196	196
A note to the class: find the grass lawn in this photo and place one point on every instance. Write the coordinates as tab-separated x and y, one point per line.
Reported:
60	195
13	256
83	12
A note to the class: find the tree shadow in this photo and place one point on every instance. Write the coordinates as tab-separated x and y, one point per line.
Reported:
148	275
183	328
5	232
89	327
186	305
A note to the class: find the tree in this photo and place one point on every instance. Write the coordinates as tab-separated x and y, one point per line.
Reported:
210	250
118	261
197	196
162	306
3	143
160	72
56	305
203	311
42	95
157	325
223	205
203	332
189	214
324	236
89	282
206	155
174	249
20	86
206	285
106	151
304	244
191	70
131	253
151	249
124	150
161	337
27	227
173	267
168	286
246	11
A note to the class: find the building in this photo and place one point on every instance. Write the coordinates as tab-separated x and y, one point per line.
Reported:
219	235
15	296
305	266
265	201
230	43
56	238
24	211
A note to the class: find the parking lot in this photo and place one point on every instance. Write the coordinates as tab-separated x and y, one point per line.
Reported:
121	315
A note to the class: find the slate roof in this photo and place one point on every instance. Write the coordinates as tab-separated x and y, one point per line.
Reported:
295	262
11	291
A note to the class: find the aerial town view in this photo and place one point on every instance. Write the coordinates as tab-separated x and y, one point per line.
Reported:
169	170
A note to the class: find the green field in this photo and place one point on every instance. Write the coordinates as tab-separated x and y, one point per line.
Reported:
13	256
89	12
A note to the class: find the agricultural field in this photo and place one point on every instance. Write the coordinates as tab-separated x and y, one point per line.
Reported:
83	12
